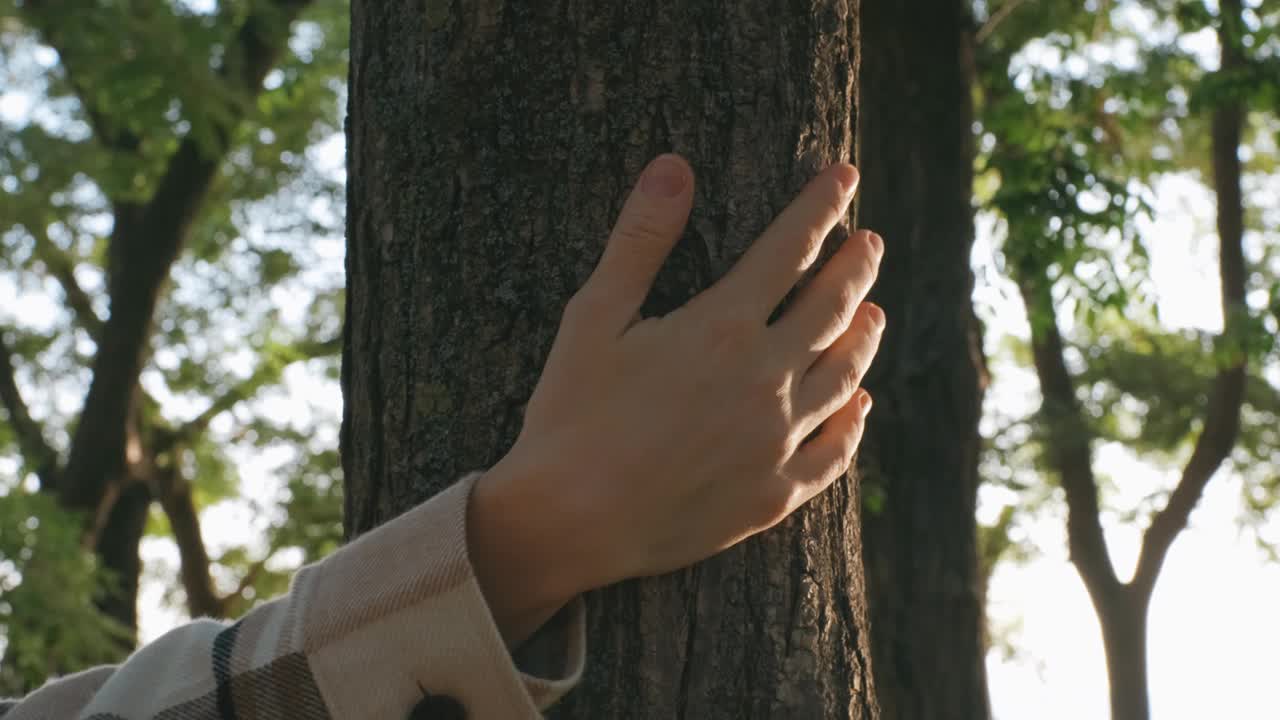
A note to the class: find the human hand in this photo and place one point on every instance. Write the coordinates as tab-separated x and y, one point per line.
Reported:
650	444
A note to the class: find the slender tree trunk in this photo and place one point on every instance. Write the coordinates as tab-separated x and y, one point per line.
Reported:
1124	622
1123	615
491	145
920	456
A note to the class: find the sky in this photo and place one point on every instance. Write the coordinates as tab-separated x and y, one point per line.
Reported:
1214	623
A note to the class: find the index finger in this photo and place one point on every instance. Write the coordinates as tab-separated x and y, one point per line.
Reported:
777	260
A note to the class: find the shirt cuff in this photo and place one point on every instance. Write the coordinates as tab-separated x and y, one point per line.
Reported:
399	611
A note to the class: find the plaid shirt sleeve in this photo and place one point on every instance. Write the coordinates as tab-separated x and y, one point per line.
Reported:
364	633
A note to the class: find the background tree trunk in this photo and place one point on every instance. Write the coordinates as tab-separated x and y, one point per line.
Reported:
1123	616
491	145
919	459
118	547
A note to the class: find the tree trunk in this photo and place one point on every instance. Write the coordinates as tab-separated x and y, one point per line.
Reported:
919	458
1123	616
490	147
118	549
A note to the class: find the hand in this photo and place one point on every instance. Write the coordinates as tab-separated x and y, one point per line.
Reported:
650	444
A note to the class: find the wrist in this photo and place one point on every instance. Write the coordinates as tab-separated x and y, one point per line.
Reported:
520	544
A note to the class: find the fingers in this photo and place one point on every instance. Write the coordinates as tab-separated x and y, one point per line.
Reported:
779	257
650	224
828	455
825	307
839	371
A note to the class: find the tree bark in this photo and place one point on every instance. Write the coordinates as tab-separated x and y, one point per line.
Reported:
919	457
490	147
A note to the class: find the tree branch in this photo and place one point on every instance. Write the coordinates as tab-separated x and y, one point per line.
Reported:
31	443
62	268
203	599
145	242
175	498
266	373
996	18
49	18
1068	442
250	577
1226	394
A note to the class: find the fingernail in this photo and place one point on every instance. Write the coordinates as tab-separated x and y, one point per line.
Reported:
864	404
665	178
877	242
847	176
877	315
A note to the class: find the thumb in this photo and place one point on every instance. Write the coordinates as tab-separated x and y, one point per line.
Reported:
649	226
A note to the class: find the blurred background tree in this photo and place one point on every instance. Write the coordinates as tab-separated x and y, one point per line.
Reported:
167	206
919	457
1085	108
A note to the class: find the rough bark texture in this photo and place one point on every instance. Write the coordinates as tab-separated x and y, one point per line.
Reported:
491	145
920	454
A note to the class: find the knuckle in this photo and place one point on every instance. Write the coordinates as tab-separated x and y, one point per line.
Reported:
846	303
780	436
763	403
812	248
839	459
850	379
838	466
639	233
766	398
789	445
774	435
848	370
